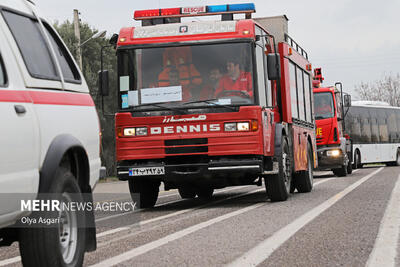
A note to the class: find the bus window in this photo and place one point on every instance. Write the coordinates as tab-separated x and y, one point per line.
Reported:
392	125
365	127
374	125
398	125
383	126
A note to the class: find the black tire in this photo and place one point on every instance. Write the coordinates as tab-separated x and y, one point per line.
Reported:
396	162
205	192
147	190
187	192
278	186
47	247
340	172
357	160
305	180
349	168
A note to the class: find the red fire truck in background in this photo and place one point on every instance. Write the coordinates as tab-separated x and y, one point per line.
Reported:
209	104
334	146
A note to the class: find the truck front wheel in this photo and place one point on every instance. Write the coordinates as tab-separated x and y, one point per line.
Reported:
147	190
278	185
340	172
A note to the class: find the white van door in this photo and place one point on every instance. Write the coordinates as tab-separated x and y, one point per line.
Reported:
19	137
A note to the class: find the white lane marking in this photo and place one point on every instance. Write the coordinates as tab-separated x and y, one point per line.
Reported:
385	248
169	238
262	251
10	261
116	230
158	205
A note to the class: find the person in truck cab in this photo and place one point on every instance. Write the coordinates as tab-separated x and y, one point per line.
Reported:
173	77
208	90
235	80
323	108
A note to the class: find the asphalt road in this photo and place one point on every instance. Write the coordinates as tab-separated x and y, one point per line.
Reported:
347	221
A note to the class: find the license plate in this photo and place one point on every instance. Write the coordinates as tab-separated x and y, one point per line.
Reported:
146	171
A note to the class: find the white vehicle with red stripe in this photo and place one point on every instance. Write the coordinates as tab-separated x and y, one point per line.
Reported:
49	141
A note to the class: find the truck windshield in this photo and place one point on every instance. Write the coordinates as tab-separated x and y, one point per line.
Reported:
186	76
323	103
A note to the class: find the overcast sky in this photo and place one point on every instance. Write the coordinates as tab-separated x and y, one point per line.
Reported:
352	40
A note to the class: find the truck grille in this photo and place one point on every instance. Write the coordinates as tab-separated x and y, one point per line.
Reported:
182	146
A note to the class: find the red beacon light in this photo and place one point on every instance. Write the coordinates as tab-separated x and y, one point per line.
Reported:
146	13
194	11
170	11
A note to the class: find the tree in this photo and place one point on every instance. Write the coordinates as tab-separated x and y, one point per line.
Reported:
387	89
91	66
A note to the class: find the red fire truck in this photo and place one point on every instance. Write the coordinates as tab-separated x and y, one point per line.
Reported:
334	146
209	104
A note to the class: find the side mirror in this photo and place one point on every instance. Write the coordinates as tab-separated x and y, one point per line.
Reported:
103	83
274	67
113	40
347	100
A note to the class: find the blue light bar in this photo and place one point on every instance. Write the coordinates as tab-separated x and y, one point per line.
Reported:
242	7
217	8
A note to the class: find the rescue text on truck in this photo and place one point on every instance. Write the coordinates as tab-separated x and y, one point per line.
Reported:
334	146
205	105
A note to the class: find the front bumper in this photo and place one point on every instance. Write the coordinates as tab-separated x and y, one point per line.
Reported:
194	170
326	161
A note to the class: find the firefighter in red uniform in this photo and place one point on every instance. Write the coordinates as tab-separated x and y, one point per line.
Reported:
173	76
235	80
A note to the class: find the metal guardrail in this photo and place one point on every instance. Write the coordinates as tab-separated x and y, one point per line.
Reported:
296	46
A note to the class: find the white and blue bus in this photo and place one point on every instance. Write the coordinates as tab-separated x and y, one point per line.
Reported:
374	128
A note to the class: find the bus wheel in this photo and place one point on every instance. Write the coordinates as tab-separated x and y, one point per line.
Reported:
398	158
148	192
305	180
341	172
278	185
187	192
205	192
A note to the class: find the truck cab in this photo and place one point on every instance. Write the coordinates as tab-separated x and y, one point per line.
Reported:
334	148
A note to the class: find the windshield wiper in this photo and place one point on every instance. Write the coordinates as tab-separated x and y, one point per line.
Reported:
210	101
180	111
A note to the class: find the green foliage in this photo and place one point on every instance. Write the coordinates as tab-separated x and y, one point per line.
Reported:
91	59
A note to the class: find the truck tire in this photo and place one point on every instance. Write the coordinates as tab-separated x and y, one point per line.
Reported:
278	185
57	246
205	192
187	192
305	180
340	172
147	190
349	168
357	160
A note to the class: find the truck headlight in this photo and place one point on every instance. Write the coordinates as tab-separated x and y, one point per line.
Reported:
141	131
243	126
238	126
129	132
333	153
230	127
